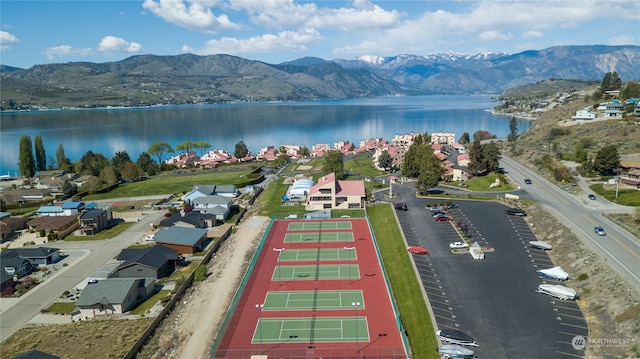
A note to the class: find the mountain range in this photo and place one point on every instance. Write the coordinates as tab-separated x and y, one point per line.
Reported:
145	80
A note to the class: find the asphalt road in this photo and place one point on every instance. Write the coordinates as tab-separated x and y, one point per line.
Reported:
619	248
493	300
93	254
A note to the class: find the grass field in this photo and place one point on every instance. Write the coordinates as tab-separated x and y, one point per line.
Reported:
404	283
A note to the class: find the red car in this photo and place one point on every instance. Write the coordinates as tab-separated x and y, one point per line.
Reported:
417	250
441	218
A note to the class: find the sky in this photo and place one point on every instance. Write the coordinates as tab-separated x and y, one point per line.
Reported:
275	31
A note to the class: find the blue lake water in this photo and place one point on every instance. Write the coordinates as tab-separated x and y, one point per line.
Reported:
108	131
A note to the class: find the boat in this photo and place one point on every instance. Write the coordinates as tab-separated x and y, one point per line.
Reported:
454	336
557	290
553	273
540	245
451	351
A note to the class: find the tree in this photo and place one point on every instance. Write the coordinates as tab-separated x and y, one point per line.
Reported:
68	189
513	130
607	160
159	149
630	90
93	185
203	146
491	156
482	135
464	139
241	150
385	160
118	161
304	151
130	171
185	146
475	157
611	81
281	160
431	170
108	175
332	161
146	164
26	164
41	155
63	162
92	163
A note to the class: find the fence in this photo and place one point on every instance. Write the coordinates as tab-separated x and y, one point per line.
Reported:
311	351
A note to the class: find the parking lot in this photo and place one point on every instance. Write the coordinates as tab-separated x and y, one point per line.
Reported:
492	300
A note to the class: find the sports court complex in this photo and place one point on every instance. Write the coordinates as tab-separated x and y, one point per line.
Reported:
314	289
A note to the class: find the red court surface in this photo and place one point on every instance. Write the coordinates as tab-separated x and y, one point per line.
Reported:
384	339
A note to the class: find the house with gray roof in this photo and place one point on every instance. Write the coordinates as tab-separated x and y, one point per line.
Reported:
216	205
191	219
94	220
114	295
182	239
202	190
35	354
152	262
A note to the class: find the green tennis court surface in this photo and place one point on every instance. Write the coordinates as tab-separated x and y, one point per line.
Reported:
318	254
318	237
318	225
329	329
337	271
310	300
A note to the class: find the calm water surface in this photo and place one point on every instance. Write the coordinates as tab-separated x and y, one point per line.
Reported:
258	125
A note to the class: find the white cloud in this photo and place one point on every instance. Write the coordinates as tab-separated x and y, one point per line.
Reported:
621	40
195	15
66	50
493	35
279	14
6	40
283	41
116	44
531	34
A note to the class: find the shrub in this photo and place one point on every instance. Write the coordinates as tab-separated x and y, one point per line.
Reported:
200	273
583	276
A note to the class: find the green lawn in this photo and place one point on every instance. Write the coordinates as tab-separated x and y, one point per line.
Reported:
362	165
174	183
62	307
404	282
145	306
482	183
105	234
626	197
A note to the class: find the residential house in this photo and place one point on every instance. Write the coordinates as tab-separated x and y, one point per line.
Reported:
443	138
53	180
395	152
464	160
203	190
460	173
182	239
72	208
371	144
189	219
6	280
293	151
613	109
344	147
114	295
585	114
152	262
269	153
60	225
24	195
217	205
9	226
405	140
319	149
37	256
95	220
214	158
332	194
15	266
49	211
183	160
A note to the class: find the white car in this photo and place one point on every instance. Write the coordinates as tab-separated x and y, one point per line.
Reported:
455	245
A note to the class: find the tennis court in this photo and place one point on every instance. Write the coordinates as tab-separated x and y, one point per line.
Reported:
317	254
314	272
318	225
325	329
313	300
318	237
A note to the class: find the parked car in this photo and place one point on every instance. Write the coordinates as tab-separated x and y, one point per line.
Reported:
599	231
458	245
527	181
92	281
441	218
452	205
440	213
515	211
592	197
401	206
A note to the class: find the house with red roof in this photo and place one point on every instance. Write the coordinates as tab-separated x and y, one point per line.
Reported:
319	149
269	153
330	193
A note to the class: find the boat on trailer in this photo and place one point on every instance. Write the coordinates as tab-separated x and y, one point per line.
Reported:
540	245
454	336
553	273
455	351
557	290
